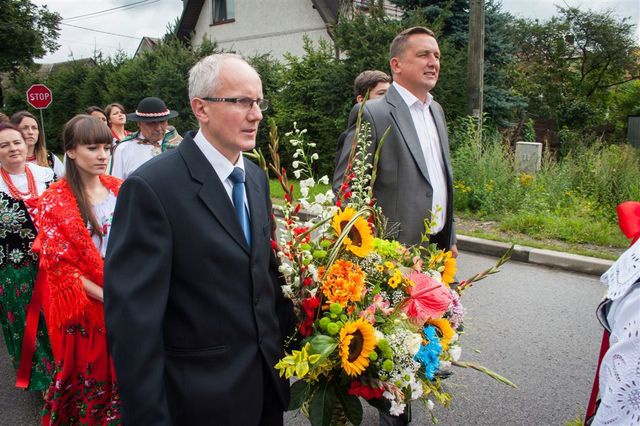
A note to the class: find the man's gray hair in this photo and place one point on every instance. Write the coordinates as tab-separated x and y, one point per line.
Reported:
203	76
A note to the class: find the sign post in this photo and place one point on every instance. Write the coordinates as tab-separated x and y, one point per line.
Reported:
40	97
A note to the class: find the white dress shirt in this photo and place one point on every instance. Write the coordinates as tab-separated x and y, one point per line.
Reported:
432	151
221	165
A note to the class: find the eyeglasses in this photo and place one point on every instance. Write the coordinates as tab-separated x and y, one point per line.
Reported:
247	103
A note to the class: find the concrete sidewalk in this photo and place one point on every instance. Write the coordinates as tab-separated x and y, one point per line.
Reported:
554	259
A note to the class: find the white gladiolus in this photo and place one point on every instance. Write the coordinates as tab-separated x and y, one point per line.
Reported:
396	409
297	173
295	164
307	183
430	404
324	180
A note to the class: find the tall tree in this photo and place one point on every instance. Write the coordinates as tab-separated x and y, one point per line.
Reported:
27	32
570	63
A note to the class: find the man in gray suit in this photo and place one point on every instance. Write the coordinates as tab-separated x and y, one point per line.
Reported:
414	171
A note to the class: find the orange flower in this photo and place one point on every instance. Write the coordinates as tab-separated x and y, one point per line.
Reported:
343	283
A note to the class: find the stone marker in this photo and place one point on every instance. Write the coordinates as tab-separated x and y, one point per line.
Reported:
528	157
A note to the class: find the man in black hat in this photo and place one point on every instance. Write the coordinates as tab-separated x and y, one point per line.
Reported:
154	137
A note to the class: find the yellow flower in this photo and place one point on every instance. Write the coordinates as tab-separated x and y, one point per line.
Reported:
395	279
389	265
445	331
359	241
297	363
379	268
343	283
357	341
446	264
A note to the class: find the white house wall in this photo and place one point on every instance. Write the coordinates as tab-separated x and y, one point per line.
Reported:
264	26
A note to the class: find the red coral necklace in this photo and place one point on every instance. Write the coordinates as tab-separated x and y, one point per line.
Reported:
32	190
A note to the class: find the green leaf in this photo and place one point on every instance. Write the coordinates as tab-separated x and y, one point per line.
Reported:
352	406
299	392
322	405
323	346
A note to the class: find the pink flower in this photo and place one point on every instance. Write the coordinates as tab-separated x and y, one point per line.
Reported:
428	298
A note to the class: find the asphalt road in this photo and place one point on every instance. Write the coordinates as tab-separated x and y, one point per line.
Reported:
534	325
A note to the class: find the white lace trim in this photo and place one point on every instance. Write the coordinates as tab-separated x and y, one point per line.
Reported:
623	273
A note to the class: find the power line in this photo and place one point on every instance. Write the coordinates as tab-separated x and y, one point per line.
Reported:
104	12
98	31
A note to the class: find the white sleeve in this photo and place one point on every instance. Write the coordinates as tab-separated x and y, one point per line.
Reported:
620	368
117	162
58	167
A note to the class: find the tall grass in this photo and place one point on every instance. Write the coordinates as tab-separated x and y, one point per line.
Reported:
572	198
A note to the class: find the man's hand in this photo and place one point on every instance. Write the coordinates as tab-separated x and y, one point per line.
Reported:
454	250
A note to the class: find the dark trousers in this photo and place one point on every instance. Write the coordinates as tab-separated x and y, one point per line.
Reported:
272	410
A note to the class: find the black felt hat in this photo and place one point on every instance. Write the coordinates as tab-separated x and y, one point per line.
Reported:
150	110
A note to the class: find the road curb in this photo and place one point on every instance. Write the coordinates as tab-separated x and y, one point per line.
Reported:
551	258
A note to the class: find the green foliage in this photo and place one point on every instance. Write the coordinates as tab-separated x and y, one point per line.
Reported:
313	95
27	32
570	64
573	198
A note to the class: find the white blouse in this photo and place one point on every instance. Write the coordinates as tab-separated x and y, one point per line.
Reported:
103	212
42	175
620	368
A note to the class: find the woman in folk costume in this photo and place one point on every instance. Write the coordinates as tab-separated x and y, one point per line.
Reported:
617	381
21	184
75	219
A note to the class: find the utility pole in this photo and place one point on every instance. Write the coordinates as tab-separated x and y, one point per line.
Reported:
475	65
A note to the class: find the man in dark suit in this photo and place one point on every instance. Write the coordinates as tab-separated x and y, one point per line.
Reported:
414	170
195	317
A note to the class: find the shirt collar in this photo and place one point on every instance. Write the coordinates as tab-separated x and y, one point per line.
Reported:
219	162
410	99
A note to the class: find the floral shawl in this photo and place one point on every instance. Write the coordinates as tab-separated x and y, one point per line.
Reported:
67	252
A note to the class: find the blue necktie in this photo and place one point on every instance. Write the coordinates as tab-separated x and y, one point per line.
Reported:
237	195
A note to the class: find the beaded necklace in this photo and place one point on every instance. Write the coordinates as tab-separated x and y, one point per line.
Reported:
32	190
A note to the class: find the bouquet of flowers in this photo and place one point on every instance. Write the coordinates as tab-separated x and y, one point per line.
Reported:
377	319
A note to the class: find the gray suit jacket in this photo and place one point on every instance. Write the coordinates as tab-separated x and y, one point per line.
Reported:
402	188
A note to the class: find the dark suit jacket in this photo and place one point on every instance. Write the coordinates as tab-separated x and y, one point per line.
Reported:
402	188
192	312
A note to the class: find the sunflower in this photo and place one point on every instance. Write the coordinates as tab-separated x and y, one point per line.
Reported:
444	330
357	341
359	241
446	264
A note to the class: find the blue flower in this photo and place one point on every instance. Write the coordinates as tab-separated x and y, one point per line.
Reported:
429	355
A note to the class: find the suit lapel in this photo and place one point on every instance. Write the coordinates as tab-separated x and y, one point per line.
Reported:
402	117
212	191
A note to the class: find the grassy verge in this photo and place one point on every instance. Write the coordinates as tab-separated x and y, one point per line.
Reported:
277	193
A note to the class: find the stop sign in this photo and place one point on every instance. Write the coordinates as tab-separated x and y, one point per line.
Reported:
39	96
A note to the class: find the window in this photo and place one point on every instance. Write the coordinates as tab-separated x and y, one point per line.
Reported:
221	11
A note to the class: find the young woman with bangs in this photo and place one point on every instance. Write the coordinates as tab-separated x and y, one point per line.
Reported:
75	220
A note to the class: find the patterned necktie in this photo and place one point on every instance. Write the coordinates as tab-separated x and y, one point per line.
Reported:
237	178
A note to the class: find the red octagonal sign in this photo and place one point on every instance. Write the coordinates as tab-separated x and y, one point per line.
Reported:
39	96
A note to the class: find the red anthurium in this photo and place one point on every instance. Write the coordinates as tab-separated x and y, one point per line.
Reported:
428	298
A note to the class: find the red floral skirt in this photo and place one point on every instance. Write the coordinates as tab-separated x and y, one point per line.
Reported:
83	390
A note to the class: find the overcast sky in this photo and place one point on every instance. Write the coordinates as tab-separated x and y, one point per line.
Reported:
151	17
